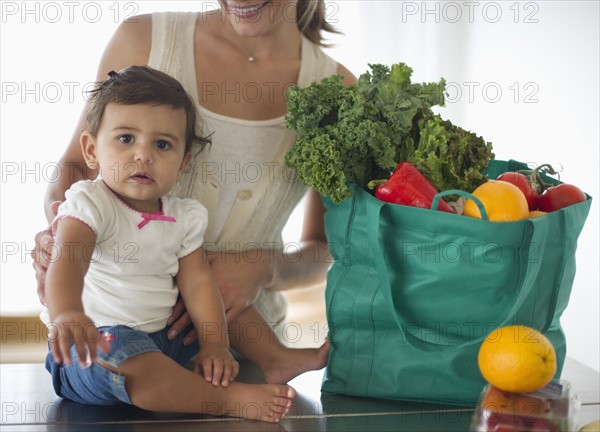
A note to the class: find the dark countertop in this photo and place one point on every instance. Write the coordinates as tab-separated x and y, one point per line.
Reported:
28	403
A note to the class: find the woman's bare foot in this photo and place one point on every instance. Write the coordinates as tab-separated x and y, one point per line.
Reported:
265	402
292	362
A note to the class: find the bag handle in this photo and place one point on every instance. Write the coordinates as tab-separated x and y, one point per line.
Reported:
537	229
436	200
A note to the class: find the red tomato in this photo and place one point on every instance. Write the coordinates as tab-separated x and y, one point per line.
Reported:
556	197
522	182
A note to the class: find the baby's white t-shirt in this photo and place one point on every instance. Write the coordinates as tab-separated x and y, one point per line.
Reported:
136	256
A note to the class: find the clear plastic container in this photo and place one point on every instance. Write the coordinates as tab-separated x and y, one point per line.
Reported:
551	409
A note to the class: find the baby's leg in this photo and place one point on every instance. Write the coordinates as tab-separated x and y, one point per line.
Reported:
278	362
135	371
157	383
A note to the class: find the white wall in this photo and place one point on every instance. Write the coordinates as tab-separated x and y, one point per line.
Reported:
50	50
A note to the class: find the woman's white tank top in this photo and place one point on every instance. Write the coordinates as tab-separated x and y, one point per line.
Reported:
242	178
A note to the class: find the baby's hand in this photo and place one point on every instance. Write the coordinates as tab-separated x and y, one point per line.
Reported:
77	327
217	364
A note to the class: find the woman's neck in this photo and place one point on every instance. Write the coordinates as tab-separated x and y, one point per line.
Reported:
279	41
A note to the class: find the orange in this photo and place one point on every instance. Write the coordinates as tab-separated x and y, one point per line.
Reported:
536	213
517	359
503	202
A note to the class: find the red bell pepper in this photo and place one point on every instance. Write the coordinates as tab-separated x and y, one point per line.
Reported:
407	186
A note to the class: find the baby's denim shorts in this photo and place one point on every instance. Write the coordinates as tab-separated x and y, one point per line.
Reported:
97	385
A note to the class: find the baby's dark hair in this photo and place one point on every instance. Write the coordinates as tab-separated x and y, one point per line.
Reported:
144	85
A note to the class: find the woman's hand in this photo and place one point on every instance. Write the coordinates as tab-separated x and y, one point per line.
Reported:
179	321
216	364
241	277
41	254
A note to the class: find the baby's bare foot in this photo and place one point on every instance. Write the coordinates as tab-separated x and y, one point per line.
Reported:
295	362
265	402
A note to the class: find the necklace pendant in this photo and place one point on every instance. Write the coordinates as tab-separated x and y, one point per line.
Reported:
250	59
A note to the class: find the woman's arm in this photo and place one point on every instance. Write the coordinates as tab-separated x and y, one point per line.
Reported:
241	279
306	264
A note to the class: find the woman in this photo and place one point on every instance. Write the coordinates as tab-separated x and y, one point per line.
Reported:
237	63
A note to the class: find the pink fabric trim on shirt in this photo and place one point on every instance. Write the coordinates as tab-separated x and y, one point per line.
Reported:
158	216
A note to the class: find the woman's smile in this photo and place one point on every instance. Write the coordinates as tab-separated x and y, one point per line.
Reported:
245	12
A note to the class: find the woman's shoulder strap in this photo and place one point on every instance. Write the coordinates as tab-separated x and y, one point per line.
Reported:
316	64
172	32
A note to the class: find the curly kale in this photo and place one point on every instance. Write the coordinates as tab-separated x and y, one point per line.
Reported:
360	132
339	140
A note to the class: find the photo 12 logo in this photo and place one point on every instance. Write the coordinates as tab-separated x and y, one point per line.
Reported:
492	92
51	92
50	12
470	11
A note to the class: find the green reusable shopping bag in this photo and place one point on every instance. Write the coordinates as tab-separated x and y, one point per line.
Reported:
413	292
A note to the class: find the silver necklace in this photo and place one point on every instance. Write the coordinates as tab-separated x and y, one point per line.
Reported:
248	56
